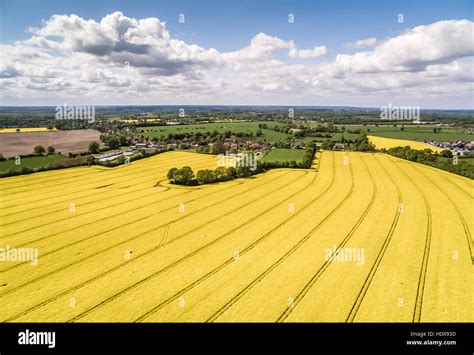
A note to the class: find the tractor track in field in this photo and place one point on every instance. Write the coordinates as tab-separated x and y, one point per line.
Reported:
184	258
117	244
132	260
165	234
360	296
39	180
459	187
230	260
75	216
228	304
78	187
63	196
111	217
426	252
64	173
449	178
458	212
63	208
76	181
245	250
327	263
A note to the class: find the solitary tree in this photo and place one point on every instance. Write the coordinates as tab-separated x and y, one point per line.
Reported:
39	149
51	149
94	147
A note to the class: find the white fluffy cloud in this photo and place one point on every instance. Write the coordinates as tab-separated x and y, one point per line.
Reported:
137	61
415	49
363	43
308	53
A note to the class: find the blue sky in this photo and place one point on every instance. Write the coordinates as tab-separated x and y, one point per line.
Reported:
229	26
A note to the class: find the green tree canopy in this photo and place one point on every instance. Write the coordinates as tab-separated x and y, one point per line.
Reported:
39	149
94	147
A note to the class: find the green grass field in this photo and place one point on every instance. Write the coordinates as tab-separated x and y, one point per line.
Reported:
282	154
460	159
30	162
335	137
235	127
416	133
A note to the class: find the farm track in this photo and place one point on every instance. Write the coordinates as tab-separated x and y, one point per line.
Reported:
165	235
327	263
458	212
159	272
98	197
78	186
424	264
243	252
161	244
76	178
117	244
188	254
373	270
127	211
82	205
460	188
43	177
228	304
39	177
113	216
452	180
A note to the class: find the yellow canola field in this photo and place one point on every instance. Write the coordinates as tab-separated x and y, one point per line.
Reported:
387	143
26	129
364	238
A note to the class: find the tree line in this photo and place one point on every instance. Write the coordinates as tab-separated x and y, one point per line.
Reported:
186	175
441	161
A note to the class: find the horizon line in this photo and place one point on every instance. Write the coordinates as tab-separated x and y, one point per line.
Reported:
246	105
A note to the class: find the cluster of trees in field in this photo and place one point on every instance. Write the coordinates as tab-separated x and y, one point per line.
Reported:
359	144
186	176
203	138
113	141
326	130
435	160
37	150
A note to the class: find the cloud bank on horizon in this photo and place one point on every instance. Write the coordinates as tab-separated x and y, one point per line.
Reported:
123	60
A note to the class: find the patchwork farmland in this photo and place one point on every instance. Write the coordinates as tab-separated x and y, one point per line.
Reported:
361	237
23	142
